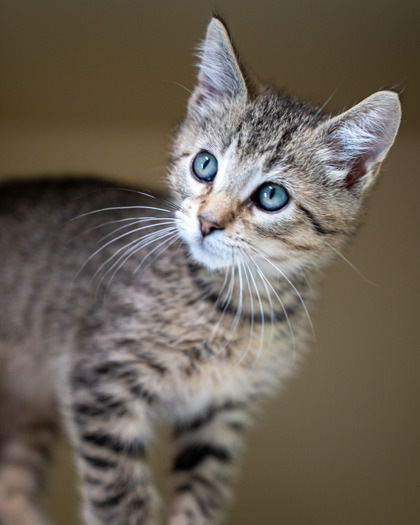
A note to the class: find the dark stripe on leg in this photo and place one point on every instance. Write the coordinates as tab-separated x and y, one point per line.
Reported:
99	462
205	419
133	448
196	454
111	501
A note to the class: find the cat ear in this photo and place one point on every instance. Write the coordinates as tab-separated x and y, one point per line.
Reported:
220	77
358	140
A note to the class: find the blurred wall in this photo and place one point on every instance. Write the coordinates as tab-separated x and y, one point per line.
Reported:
95	86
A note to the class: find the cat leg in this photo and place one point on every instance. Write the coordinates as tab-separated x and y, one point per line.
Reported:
25	449
108	420
207	450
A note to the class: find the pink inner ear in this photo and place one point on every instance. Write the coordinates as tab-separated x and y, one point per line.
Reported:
357	171
361	164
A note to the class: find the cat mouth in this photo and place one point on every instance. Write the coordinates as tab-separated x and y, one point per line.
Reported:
213	257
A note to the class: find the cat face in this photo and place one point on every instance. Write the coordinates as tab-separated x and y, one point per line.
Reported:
259	176
236	200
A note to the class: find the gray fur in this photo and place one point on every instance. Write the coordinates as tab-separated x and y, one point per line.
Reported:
116	310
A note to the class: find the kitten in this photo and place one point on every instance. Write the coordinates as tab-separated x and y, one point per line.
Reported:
119	309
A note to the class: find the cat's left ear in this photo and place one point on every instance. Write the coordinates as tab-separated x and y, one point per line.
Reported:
357	141
220	77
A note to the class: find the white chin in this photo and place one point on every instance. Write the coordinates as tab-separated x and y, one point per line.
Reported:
207	259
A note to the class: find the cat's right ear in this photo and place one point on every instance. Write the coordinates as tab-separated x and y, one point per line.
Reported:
355	143
220	78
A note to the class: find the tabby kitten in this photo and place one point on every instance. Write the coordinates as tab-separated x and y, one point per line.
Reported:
119	309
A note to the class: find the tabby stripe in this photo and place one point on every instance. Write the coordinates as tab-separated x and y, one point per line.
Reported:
99	462
278	316
145	358
201	480
208	417
317	226
204	506
187	487
111	501
117	408
133	449
196	454
154	365
140	392
92	481
236	426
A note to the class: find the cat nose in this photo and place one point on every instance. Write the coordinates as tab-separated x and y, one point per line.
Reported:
208	226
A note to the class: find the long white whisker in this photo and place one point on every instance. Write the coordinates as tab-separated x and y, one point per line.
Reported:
276	295
138	221
352	266
133	247
165	242
238	314
267	291
138	245
205	318
227	300
251	330
133	220
267	259
101	248
118	208
178	84
262	315
168	202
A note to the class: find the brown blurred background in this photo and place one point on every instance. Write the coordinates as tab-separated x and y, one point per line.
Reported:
94	86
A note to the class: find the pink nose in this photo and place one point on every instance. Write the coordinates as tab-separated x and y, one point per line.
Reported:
208	226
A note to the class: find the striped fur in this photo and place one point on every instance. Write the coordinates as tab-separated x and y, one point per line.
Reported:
117	309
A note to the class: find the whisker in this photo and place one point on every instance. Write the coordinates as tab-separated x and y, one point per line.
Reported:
168	241
226	301
268	260
134	220
108	243
167	220
174	236
251	330
276	295
262	315
118	208
164	200
352	266
177	84
267	291
205	317
136	246
238	313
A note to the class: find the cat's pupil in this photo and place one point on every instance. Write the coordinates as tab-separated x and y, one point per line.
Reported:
205	166
271	197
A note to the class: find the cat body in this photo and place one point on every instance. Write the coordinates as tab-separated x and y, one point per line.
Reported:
119	309
122	355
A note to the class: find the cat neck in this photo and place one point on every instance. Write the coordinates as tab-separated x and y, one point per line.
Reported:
254	294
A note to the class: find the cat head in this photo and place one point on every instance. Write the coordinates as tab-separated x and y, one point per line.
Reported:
259	175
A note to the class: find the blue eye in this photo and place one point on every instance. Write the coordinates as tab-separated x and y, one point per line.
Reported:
205	166
271	197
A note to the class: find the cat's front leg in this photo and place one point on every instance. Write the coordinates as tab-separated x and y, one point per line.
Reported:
109	426
206	456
